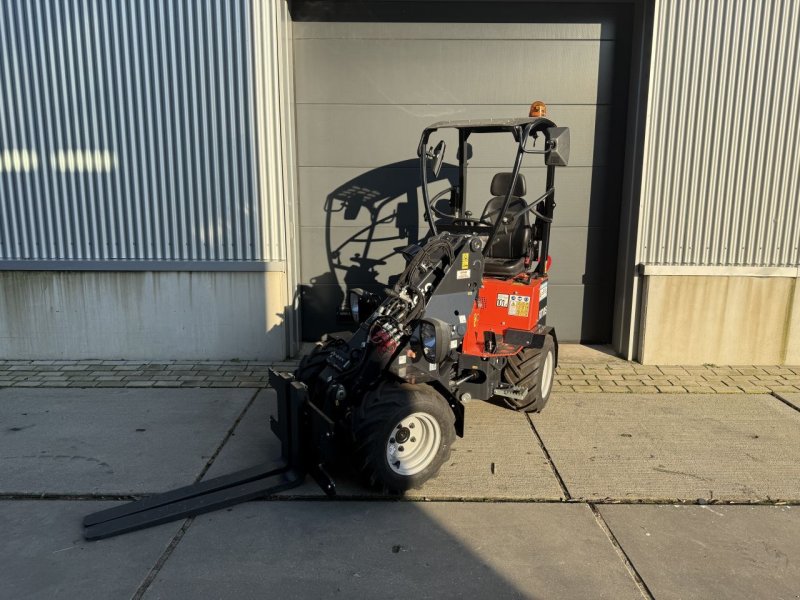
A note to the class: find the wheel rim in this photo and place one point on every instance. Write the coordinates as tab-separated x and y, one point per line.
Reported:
547	374
413	443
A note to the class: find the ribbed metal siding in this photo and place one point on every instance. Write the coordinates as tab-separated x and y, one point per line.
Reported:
274	121
721	166
140	116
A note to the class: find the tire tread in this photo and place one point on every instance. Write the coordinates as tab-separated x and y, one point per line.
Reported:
523	369
370	417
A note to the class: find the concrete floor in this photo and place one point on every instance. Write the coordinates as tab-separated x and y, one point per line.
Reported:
585	354
659	447
539	520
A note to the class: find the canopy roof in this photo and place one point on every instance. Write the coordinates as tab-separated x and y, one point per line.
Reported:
488	125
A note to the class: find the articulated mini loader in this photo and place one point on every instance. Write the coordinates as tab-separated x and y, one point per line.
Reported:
466	320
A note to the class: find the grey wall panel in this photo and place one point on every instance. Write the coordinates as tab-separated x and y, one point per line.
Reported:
365	91
581	256
579	312
603	29
373	136
357	255
141	119
325	192
370	254
726	191
472	71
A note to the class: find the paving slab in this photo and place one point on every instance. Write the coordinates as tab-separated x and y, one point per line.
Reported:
327	549
498	458
44	556
732	552
110	441
654	447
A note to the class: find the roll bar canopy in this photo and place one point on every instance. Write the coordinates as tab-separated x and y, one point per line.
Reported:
556	154
515	126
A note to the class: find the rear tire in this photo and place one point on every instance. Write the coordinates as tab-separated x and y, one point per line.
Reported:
535	369
403	434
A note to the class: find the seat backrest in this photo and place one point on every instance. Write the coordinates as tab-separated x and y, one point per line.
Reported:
512	240
502	181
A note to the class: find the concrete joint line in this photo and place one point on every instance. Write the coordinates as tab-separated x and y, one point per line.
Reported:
162	560
601	522
440	499
227	436
562	485
785	401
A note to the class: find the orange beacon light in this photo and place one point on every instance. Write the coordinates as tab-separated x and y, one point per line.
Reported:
538	109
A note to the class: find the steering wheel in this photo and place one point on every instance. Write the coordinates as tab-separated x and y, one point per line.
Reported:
456	220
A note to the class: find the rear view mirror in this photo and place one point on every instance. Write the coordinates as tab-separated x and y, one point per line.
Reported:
436	156
558	154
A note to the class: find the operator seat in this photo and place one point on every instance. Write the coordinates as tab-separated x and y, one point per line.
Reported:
506	257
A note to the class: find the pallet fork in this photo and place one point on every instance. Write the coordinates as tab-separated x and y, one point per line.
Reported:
306	436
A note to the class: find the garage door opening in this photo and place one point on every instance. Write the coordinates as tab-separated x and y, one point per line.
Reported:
370	77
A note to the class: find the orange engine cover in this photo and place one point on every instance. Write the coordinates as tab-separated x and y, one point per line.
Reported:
504	304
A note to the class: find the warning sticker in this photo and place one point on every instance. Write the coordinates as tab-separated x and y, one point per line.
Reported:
465	260
543	291
519	306
502	300
462	274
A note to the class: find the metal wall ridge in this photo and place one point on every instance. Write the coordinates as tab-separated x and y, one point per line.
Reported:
719	271
721	162
208	266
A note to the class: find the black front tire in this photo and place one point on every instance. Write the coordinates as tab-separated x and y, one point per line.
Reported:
382	421
535	369
313	363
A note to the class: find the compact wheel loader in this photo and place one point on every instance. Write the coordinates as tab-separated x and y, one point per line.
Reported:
465	320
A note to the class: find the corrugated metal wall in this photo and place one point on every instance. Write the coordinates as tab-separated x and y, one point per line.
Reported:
129	130
273	70
721	166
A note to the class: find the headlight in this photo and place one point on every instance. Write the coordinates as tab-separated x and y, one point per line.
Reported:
427	337
361	304
434	337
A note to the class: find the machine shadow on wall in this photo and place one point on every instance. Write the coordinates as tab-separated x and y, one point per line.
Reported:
368	221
